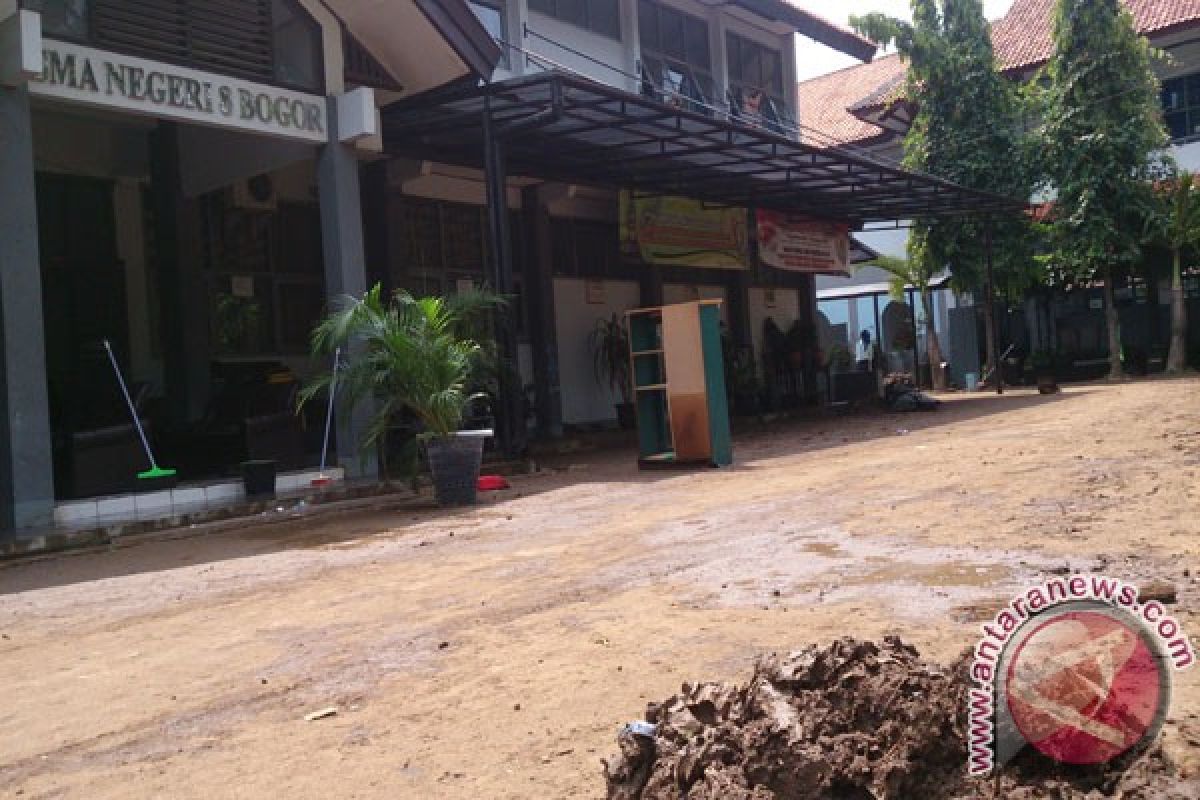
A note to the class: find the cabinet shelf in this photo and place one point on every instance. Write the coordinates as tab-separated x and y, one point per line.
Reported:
677	373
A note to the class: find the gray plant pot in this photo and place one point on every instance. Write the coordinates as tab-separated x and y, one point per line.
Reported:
454	463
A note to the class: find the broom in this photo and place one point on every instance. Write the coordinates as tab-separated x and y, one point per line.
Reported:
322	479
155	470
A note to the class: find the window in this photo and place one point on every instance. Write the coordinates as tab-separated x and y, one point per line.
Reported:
265	277
1181	106
599	16
676	62
271	41
66	18
297	40
491	14
755	82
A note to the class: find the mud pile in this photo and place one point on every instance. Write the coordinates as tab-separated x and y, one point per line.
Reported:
853	721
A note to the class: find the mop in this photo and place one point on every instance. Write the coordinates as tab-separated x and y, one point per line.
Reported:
155	470
322	479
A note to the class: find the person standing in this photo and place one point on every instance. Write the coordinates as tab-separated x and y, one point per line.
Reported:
864	352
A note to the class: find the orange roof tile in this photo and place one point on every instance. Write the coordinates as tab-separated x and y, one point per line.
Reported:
1023	38
824	102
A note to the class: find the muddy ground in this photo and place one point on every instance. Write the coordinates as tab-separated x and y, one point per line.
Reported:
494	653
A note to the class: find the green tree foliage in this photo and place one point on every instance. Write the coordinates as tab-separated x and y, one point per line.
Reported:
1176	224
1103	142
969	128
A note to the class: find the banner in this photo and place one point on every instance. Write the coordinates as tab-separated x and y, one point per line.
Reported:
798	244
684	232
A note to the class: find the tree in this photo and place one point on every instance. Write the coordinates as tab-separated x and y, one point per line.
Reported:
1176	224
911	273
969	128
1103	139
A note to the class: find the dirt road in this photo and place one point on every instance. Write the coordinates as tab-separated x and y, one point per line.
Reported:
494	653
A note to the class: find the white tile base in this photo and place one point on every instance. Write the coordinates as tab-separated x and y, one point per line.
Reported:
156	505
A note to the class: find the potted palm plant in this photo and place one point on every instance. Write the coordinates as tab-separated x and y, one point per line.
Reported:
414	355
610	353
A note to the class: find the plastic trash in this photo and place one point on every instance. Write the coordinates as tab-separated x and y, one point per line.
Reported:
641	728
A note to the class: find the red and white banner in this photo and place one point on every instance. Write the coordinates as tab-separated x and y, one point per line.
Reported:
798	244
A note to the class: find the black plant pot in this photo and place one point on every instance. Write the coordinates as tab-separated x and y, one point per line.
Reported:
626	418
454	463
258	478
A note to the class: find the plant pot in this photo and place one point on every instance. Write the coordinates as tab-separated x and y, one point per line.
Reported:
1047	383
454	463
258	477
626	418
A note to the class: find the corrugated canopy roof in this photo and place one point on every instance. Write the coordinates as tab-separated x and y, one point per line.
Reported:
566	128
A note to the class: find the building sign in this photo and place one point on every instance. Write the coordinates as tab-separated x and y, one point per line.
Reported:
798	244
126	83
683	232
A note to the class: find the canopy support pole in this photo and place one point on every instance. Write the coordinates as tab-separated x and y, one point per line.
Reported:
989	312
510	411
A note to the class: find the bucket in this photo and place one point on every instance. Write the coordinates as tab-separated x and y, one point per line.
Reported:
258	478
454	464
972	380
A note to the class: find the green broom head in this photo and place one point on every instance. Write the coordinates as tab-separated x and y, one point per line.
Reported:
156	472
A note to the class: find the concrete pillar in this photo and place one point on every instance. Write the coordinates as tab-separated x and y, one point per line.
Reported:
342	249
26	457
184	298
738	300
539	293
650	285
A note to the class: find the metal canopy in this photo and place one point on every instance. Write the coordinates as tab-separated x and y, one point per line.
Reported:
561	127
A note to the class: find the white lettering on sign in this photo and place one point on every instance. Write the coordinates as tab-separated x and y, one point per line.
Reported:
100	78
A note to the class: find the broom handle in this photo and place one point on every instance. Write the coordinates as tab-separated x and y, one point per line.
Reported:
137	423
337	357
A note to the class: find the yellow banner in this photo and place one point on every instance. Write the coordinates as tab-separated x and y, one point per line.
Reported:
684	232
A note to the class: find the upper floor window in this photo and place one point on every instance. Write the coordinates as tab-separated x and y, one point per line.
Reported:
676	59
273	41
599	16
65	18
491	15
755	81
1181	106
297	46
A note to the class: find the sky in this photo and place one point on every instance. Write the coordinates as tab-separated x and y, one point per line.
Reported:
813	59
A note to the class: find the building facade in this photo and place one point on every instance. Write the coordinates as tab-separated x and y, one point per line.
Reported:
180	182
191	186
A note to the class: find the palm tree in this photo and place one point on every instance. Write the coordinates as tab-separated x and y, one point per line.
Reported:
1179	228
907	273
409	354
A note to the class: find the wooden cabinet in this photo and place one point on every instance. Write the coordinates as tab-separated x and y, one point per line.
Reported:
679	384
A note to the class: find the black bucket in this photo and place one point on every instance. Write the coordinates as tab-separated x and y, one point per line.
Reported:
258	478
454	463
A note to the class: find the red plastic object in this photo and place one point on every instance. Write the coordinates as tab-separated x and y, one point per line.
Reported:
490	483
